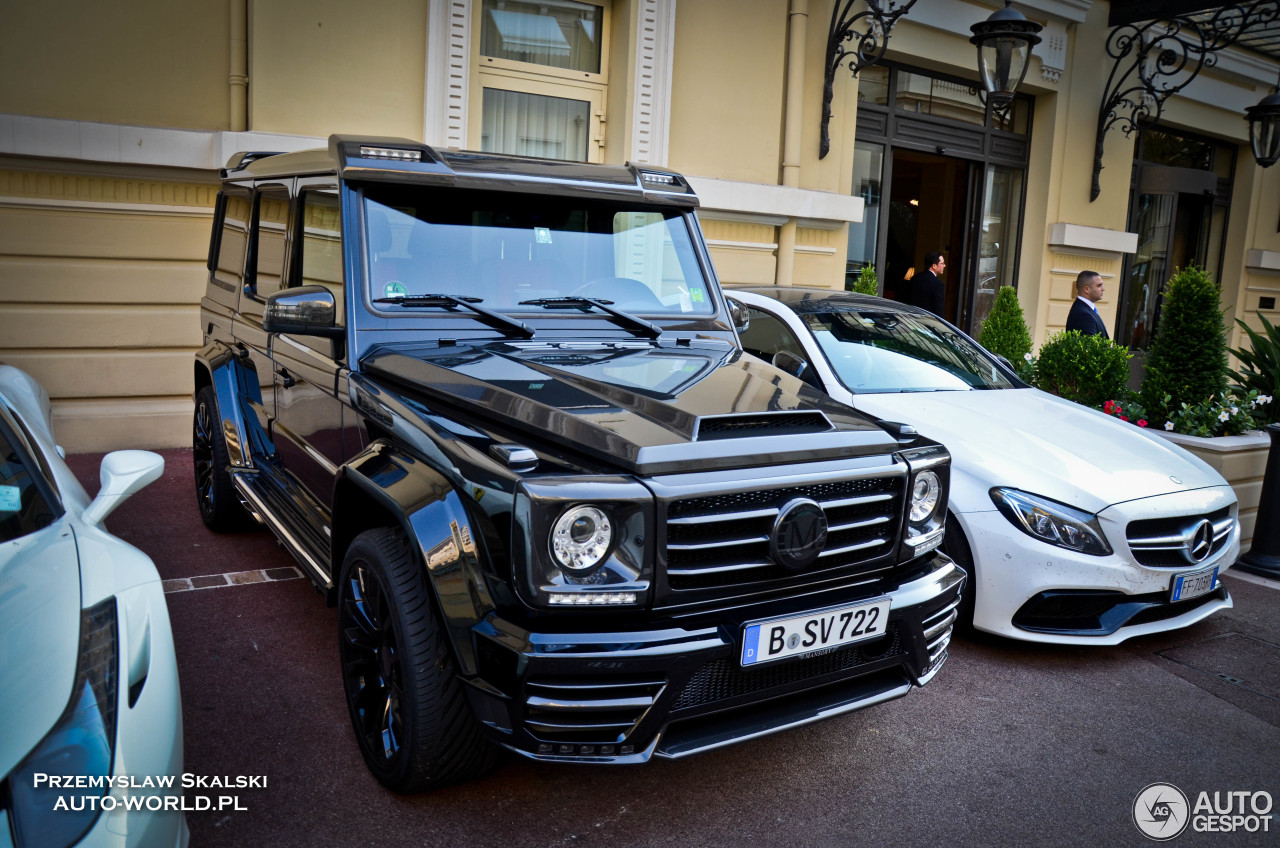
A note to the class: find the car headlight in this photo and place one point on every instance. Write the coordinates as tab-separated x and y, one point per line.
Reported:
81	743
927	481
581	538
1052	522
583	542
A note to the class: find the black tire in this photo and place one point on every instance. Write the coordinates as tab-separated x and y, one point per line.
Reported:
220	506
408	709
956	546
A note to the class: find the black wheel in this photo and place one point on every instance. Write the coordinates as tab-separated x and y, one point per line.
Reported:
220	507
956	546
408	709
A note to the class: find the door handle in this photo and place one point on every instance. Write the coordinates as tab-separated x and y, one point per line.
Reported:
286	379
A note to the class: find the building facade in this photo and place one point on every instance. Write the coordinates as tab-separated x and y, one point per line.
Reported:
114	121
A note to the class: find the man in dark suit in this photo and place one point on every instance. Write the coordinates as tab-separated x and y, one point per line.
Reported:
1084	315
927	290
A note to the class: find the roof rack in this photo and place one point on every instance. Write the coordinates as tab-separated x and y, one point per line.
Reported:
244	157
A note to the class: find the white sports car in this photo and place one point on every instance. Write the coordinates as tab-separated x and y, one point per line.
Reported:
88	680
1076	528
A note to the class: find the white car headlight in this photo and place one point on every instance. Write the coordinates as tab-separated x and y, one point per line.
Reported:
1052	522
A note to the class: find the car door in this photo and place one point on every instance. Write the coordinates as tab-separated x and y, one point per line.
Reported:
309	411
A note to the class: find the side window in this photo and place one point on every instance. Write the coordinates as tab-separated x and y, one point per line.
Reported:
766	335
227	272
270	226
320	252
23	508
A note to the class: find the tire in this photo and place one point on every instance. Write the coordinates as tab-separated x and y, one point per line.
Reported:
408	709
220	506
956	546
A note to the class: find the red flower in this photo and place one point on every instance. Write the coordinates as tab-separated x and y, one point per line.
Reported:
1142	422
1124	418
1109	407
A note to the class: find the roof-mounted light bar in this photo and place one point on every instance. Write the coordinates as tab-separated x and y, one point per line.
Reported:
391	153
658	178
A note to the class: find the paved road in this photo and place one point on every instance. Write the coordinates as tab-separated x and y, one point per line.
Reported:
1011	744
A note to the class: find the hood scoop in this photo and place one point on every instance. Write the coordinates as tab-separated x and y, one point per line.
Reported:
784	423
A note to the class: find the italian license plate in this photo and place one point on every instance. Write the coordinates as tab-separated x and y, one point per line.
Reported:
779	638
1193	584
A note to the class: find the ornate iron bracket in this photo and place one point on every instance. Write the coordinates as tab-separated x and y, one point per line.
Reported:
1157	59
863	48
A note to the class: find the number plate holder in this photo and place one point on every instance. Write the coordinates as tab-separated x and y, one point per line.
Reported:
1193	584
791	636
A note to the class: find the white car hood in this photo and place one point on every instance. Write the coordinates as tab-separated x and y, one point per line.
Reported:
39	636
1031	440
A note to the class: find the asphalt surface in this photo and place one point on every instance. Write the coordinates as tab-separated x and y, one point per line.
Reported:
1011	744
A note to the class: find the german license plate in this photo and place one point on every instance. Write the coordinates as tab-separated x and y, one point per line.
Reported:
1193	584
779	638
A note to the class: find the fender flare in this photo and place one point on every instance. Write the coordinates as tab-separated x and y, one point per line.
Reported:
434	517
224	371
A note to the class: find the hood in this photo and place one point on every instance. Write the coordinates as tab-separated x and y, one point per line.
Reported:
39	636
1034	441
646	407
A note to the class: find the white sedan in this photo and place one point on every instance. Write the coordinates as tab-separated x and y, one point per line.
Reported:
88	678
1076	528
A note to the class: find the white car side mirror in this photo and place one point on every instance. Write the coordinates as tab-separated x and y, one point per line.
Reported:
123	473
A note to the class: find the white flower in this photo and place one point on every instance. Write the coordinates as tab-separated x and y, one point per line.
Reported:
1224	415
1027	356
1235	410
1168	425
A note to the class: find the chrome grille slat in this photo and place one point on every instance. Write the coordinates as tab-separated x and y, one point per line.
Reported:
601	704
724	540
588	712
941	627
1159	542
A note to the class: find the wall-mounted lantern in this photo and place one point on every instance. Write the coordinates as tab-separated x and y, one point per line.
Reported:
1264	128
1004	43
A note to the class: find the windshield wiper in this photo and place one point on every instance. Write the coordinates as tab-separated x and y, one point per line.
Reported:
451	301
632	322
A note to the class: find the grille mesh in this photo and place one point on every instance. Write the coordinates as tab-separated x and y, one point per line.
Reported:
723	679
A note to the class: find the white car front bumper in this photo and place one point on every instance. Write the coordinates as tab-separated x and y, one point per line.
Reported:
1031	590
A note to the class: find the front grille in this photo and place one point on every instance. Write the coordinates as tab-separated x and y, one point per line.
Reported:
1159	542
723	540
724	679
715	427
587	711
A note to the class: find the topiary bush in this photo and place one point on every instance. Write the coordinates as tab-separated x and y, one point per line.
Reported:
867	283
1187	362
1260	369
1004	333
1090	370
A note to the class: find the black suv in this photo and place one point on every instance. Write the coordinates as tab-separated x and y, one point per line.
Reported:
497	409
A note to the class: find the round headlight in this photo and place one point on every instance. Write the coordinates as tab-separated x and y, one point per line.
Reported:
924	496
581	538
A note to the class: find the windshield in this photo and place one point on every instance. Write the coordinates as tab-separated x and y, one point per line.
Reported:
509	249
873	351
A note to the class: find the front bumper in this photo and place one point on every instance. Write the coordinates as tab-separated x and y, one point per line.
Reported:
1029	590
626	697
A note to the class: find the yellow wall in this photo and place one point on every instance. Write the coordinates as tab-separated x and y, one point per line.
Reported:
145	62
100	285
726	104
326	66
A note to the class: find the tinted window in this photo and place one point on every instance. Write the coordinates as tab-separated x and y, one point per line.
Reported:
229	268
510	248
322	244
24	508
270	222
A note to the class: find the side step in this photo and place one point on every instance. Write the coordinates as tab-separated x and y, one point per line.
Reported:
270	503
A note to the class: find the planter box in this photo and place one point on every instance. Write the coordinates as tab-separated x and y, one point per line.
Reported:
1242	460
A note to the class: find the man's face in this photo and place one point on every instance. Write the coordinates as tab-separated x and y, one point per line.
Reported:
1094	289
939	267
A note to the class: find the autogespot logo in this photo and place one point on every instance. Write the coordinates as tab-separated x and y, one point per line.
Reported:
1160	811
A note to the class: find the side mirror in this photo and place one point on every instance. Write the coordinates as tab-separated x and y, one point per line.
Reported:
123	473
305	311
789	362
739	314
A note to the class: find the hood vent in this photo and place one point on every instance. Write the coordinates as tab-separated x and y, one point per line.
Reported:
713	427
